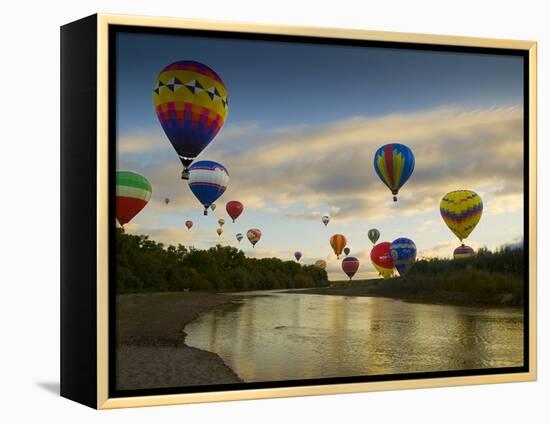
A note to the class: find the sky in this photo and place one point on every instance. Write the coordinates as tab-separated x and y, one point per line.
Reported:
304	123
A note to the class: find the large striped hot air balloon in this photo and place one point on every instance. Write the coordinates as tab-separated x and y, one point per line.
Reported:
133	192
463	252
350	266
381	259
403	253
374	235
394	164
191	104
208	181
461	211
338	242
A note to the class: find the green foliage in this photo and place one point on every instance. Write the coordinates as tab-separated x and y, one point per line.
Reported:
144	265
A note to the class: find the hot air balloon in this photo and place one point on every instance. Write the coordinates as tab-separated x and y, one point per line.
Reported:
189	224
221	222
325	219
463	252
321	264
219	231
166	201
350	266
347	251
254	236
338	242
133	192
461	211
381	259
213	207
234	209
239	237
373	234
208	181
403	253
394	164
191	103
297	255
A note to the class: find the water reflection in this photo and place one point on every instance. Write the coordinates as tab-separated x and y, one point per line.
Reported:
278	336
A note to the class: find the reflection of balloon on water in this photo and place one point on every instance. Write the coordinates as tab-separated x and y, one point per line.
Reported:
347	251
213	207
166	201
189	224
461	211
254	236
219	231
403	254
374	235
239	237
338	242
208	181
463	252
382	260
321	264
191	104
325	219
394	164
350	266
221	222
234	209
133	192
297	255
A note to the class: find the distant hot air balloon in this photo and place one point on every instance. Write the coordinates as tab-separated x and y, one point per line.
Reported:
239	237
254	236
461	211
463	252
166	201
234	209
297	255
325	219
338	242
347	251
133	192
381	259
374	235
403	253
191	103
350	266
321	264
208	181
221	222
213	207
189	224
394	164
219	231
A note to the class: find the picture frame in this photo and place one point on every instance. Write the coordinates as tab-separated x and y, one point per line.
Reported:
89	115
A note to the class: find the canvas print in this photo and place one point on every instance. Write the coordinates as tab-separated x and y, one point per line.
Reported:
294	212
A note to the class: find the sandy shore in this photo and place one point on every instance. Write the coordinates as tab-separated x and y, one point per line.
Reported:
151	350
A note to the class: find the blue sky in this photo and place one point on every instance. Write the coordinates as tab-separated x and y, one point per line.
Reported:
303	124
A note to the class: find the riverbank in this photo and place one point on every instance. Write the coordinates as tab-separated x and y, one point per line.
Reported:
151	350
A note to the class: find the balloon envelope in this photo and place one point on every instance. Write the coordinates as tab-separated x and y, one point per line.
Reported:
463	252
347	251
403	254
325	219
239	237
394	164
219	231
374	235
213	207
133	192
381	259
221	222
350	266
297	255
234	209
321	264
461	211
254	236
208	181
338	242
189	224
166	201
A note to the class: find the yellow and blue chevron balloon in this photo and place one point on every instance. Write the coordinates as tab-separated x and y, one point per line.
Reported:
461	211
394	165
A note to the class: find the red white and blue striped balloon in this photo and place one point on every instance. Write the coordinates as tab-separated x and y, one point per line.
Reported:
208	180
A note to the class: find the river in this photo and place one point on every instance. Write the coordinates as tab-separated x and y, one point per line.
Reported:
273	336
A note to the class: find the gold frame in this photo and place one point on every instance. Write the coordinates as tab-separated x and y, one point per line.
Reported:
103	21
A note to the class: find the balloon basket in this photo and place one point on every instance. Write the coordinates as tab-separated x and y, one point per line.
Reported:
394	199
205	212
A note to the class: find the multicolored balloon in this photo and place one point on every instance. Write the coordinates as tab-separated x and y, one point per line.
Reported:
133	192
239	237
208	181
381	259
325	219
347	251
191	104
350	265
297	255
403	254
221	222
374	235
234	209
254	236
321	264
461	211
189	224
219	231
463	252
338	242
394	164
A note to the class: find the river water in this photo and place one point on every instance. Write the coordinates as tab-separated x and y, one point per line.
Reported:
273	336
